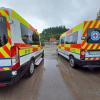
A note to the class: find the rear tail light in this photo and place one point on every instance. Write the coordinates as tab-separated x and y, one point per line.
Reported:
82	54
15	57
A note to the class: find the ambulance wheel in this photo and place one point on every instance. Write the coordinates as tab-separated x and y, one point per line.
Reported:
72	62
31	68
57	52
43	54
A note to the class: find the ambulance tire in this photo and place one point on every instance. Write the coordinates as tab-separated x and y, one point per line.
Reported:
57	53
43	55
31	68
72	62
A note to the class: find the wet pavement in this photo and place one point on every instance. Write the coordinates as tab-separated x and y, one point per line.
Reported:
53	86
54	79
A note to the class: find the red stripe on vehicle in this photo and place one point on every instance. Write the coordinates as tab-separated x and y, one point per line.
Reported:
95	23
9	40
6	11
1	69
75	46
87	28
1	55
8	25
7	50
92	46
67	49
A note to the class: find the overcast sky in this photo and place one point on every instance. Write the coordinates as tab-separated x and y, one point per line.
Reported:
47	13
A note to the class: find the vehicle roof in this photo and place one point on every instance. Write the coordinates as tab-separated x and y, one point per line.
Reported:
15	15
81	26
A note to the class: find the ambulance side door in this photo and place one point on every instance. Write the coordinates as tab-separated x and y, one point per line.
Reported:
62	45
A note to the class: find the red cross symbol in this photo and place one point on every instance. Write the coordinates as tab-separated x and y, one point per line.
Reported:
95	35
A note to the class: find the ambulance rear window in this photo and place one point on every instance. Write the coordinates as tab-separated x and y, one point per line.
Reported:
3	31
93	35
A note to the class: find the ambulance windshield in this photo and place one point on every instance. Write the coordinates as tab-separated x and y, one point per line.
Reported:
3	31
28	36
93	35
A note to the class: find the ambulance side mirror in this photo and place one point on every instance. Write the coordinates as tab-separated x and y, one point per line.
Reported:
83	38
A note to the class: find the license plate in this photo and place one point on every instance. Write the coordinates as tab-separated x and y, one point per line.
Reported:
94	52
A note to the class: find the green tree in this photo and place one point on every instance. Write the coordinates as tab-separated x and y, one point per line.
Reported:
54	32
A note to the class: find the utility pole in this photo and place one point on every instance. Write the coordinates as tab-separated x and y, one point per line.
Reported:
98	15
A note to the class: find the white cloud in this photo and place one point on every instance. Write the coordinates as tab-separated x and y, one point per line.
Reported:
45	13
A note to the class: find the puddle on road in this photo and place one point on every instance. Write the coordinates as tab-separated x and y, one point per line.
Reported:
52	85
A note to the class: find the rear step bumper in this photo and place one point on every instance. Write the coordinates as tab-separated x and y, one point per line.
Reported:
38	62
84	62
5	78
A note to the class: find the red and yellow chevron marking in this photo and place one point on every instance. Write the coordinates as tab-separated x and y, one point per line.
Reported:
91	24
67	48
70	47
5	50
5	69
85	45
37	47
92	59
59	46
62	46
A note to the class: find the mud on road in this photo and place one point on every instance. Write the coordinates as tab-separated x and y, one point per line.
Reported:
54	79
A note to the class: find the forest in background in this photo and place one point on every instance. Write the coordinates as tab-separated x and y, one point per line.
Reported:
52	32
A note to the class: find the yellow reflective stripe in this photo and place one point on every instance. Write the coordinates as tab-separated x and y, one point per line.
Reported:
9	34
75	50
18	17
84	45
95	46
25	51
22	52
4	53
35	45
87	23
63	48
92	24
98	59
8	46
67	45
89	46
4	14
86	58
97	26
91	58
6	68
39	48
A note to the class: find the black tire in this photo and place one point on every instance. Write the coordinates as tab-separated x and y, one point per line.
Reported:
57	52
31	68
43	54
72	62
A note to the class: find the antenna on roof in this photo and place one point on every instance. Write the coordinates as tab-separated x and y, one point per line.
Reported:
98	15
